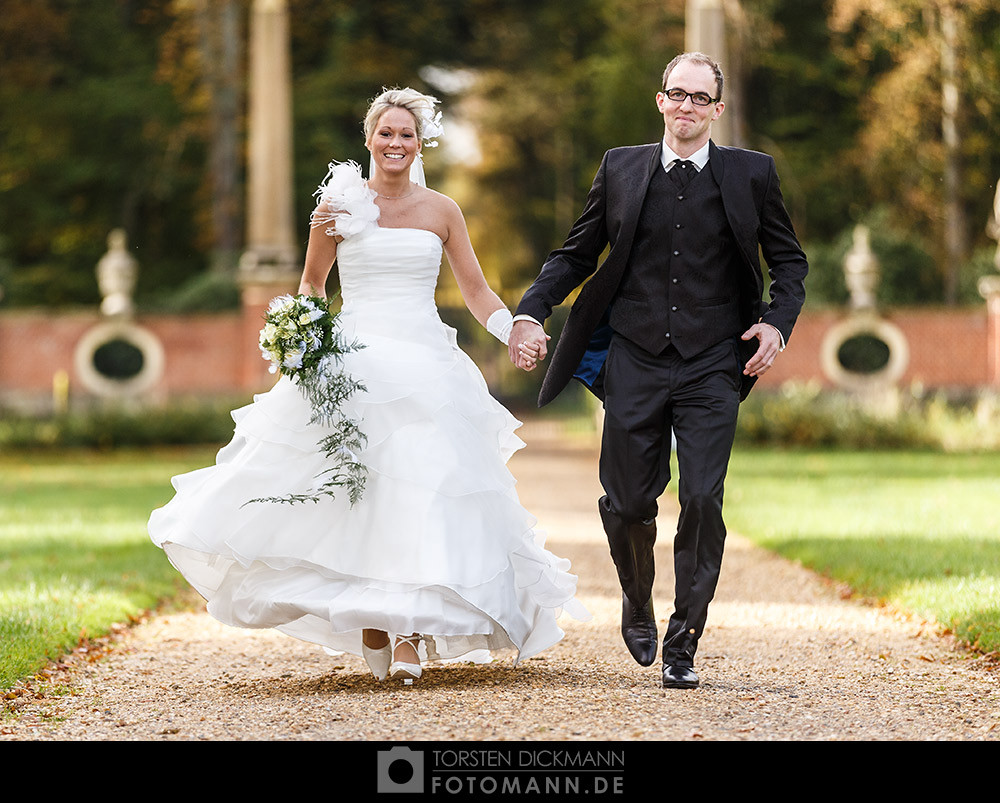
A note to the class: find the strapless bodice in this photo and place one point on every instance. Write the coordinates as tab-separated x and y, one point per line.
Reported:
385	267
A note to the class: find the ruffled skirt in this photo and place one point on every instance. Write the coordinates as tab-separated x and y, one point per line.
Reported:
439	544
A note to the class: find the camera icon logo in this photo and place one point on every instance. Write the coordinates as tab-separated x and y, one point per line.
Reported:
400	770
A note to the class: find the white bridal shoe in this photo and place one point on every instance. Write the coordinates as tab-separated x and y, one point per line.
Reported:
402	670
377	659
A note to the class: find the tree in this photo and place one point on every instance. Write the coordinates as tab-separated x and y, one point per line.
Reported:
801	106
558	84
914	147
88	137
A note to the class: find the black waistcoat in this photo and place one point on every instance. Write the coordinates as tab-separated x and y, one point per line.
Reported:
681	284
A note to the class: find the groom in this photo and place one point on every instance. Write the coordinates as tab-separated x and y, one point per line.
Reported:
670	332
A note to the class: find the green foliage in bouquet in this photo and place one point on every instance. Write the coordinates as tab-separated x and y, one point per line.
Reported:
301	339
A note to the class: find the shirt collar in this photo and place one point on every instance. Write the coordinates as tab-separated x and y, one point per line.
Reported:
699	158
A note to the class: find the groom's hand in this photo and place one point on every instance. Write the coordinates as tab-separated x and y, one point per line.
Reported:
770	345
527	344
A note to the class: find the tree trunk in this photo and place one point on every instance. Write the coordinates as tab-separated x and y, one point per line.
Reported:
955	234
220	38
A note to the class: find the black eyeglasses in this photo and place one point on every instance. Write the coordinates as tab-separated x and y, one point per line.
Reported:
697	98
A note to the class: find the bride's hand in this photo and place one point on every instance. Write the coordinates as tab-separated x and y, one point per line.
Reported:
527	345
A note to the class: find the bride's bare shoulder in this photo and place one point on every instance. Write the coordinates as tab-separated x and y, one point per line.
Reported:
440	203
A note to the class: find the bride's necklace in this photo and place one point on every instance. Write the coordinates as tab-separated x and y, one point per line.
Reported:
395	197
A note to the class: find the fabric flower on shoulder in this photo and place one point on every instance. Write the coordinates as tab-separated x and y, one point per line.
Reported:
346	205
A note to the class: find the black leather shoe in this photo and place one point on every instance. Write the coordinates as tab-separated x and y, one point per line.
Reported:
679	677
639	631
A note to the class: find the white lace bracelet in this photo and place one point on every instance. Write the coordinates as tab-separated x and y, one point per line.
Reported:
499	324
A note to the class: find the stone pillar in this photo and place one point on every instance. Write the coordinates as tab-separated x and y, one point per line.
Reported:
705	32
989	288
270	265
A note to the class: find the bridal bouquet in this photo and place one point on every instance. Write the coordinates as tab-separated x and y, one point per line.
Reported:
301	339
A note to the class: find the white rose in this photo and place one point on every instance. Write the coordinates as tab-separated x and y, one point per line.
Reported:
293	358
280	303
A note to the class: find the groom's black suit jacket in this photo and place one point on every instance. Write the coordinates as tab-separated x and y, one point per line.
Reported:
759	223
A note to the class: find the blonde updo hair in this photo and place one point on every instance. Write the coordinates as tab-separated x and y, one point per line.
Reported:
421	106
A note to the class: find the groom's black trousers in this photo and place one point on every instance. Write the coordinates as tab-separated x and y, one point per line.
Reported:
648	397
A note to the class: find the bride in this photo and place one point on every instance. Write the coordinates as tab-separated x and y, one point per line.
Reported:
438	560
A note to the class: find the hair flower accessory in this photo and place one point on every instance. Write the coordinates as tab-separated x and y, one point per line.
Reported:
431	127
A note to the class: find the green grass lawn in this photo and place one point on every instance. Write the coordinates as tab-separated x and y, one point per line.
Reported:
74	554
920	530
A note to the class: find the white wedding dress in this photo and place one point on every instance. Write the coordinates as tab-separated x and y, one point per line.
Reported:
438	545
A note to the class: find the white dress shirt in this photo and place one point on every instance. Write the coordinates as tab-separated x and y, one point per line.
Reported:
699	158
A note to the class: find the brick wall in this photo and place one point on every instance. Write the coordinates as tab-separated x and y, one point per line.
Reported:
205	355
948	348
217	354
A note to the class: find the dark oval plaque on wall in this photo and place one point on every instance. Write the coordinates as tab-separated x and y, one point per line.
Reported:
864	353
118	359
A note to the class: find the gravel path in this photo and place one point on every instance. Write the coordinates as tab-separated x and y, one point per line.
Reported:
784	658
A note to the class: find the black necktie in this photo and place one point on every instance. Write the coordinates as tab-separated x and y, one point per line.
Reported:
681	173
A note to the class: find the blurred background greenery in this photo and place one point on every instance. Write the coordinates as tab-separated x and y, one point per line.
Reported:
132	114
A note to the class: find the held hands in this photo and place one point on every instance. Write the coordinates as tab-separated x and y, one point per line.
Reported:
770	345
527	345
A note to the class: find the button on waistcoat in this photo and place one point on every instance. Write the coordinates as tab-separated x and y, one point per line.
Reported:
681	284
